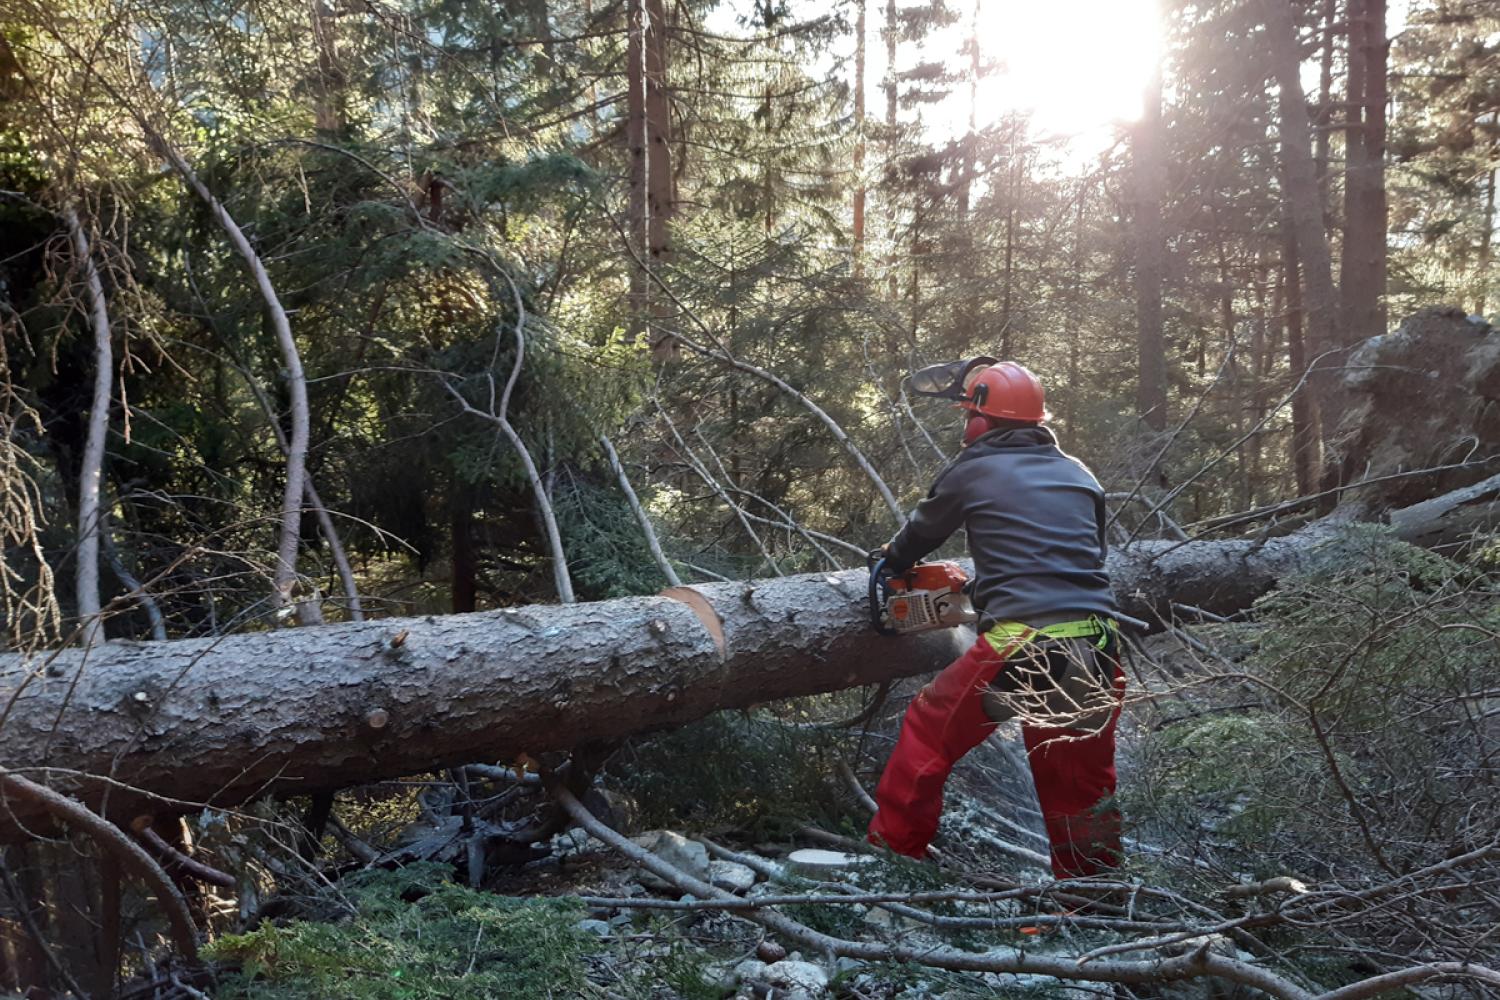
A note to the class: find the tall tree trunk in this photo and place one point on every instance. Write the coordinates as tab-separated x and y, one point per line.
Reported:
636	140
1007	288
1147	169
1304	206
91	473
890	34
859	139
648	136
1260	352
1328	19
661	197
1486	242
1075	321
1307	438
1362	263
966	169
330	111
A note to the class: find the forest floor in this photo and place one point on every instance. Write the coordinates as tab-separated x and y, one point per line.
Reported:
571	917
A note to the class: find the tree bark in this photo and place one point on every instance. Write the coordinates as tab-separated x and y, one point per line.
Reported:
1148	166
1486	238
300	710
1305	210
330	83
1306	438
291	357
648	136
91	474
1362	263
226	719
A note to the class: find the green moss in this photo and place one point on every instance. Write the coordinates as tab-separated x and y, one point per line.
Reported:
414	936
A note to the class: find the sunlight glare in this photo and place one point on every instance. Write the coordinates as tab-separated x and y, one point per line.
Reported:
1074	64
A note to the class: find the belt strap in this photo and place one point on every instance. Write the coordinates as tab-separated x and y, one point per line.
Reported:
1004	635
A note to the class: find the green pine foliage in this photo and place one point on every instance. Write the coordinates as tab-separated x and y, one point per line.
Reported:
413	935
1365	673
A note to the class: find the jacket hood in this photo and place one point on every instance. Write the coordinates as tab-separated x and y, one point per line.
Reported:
1007	438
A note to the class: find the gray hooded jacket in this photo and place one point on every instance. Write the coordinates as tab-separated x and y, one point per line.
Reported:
1035	520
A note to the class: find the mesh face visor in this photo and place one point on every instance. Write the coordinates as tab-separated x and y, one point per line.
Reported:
946	380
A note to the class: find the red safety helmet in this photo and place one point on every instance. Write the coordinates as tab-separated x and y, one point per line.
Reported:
1008	391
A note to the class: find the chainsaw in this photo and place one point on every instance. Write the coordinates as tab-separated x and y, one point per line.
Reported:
927	596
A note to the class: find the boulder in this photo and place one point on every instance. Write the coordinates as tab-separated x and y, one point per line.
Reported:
687	856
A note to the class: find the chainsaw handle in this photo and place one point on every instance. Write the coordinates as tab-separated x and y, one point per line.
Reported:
879	590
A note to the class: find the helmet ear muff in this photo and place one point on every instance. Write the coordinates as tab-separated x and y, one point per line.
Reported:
976	427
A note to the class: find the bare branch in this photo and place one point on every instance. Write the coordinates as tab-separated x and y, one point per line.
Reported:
91	472
110	838
641	518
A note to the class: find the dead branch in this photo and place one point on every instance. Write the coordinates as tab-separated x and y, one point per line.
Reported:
110	838
91	471
192	866
296	451
499	415
641	518
1195	964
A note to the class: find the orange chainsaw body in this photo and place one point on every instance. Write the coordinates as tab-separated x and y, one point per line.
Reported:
929	595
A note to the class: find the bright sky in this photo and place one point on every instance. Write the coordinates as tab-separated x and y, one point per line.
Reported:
1079	66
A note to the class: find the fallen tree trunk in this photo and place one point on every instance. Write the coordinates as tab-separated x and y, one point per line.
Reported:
300	710
224	720
303	710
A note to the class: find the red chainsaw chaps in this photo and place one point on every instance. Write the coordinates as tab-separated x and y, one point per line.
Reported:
1074	770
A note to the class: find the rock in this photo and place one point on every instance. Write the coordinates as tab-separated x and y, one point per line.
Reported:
731	876
616	810
751	968
769	951
1441	373
689	857
844	964
598	927
795	977
575	842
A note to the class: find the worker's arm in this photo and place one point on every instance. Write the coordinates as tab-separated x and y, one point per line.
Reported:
939	515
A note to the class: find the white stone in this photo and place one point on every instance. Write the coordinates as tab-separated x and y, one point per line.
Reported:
795	976
751	968
731	876
687	856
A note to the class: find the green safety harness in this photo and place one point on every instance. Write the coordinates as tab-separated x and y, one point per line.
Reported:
1009	636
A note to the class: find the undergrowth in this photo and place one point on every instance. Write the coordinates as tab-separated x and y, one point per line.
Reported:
414	935
754	772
